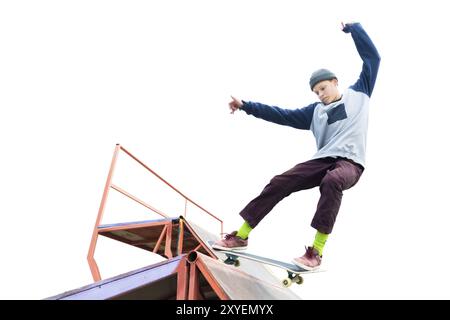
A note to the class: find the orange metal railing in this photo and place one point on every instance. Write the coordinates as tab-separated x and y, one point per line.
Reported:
109	185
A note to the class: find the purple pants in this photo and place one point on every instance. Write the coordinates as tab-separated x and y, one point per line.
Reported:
333	175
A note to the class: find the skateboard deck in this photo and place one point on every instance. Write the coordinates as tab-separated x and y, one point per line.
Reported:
294	271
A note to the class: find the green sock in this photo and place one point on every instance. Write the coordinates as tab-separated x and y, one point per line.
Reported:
244	231
319	241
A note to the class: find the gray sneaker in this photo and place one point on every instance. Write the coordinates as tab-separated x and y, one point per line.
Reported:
231	242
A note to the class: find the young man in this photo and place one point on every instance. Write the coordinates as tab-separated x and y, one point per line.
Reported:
339	124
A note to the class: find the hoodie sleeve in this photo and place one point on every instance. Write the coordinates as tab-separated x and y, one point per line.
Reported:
296	118
369	55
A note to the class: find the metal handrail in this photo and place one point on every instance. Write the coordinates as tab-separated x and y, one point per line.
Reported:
113	186
109	185
172	187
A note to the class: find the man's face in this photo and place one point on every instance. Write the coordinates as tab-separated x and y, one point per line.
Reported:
327	91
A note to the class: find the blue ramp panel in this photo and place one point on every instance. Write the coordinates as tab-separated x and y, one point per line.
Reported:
155	282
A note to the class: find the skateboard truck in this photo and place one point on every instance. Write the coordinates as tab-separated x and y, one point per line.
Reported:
292	277
232	260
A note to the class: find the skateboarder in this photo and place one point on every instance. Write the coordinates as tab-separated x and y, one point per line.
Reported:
339	124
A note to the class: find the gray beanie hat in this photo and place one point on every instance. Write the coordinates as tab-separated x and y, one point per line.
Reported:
320	75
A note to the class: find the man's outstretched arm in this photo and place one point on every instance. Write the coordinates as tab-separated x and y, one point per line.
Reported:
298	118
369	55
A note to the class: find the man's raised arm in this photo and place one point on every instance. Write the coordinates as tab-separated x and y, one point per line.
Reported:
369	55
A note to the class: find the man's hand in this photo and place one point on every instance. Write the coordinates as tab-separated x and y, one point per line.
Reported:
345	25
235	104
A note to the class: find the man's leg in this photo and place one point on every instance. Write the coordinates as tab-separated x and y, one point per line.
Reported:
344	176
303	176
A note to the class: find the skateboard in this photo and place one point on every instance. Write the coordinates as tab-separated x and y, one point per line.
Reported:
294	272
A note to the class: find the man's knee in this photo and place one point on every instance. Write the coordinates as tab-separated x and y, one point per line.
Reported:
276	183
277	180
280	184
332	181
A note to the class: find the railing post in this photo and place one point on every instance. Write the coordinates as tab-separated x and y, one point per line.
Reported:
92	264
168	249
180	237
194	283
183	280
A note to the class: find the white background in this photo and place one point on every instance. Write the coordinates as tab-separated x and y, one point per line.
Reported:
77	77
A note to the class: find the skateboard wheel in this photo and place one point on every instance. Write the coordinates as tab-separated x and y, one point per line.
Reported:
287	282
237	263
298	279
